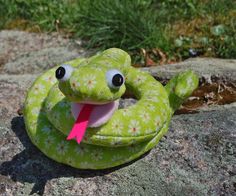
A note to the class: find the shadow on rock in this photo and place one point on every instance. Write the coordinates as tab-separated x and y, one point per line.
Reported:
32	166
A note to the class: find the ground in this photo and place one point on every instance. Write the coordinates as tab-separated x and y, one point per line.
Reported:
196	157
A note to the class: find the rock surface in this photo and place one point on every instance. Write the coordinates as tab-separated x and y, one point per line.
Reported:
22	52
196	157
208	69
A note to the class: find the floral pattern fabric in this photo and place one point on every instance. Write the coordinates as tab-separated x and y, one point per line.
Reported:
129	133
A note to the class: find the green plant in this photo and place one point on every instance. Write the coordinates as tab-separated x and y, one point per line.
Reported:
171	26
129	25
46	14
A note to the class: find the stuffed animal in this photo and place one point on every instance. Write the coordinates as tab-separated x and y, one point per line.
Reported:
71	111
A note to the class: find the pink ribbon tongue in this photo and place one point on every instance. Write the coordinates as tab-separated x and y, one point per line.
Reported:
81	123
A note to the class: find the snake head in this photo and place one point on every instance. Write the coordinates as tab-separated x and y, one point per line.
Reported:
99	79
94	87
90	84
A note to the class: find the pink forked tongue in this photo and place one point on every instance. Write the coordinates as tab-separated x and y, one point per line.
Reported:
81	123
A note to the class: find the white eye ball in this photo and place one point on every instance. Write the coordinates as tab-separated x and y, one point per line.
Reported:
115	78
63	72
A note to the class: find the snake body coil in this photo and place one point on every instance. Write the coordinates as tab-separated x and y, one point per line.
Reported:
113	136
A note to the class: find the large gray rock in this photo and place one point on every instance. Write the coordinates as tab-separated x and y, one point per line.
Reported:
196	157
208	69
22	52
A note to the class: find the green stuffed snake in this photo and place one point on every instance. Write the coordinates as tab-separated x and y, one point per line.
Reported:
71	111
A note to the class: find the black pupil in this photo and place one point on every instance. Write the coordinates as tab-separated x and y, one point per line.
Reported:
60	72
117	80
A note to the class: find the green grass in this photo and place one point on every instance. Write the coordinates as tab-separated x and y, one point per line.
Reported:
172	26
41	13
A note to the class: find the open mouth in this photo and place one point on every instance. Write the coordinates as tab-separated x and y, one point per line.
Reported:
100	114
90	115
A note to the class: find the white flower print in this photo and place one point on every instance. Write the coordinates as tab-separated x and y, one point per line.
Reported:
86	165
46	129
97	68
60	94
152	93
117	126
116	157
36	139
145	117
154	99
190	82
49	106
90	81
116	140
140	79
114	55
97	155
99	138
131	142
126	112
151	107
70	161
148	131
166	101
63	104
109	65
133	148
35	111
68	113
39	89
49	78
79	150
134	127
75	83
153	84
157	121
182	91
31	101
62	148
57	116
49	142
163	112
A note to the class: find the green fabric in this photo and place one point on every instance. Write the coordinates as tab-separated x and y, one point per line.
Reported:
129	133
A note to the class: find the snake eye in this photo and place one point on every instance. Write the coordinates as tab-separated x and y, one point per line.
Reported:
115	79
63	72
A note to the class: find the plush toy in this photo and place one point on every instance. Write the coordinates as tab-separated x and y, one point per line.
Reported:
71	112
